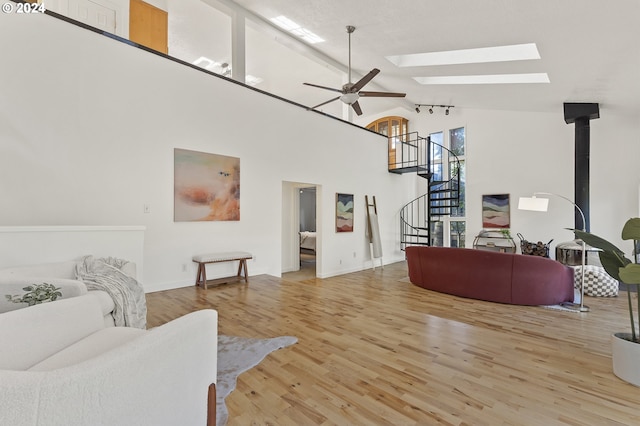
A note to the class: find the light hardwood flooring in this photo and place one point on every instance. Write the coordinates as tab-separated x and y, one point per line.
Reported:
374	349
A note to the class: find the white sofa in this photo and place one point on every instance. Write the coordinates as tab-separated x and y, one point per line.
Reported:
60	365
62	275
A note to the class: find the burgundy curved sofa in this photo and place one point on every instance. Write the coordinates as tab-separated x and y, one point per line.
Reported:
492	276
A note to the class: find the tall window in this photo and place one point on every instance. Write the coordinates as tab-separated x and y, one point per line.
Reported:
449	230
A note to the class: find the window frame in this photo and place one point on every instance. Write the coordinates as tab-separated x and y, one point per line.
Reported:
445	233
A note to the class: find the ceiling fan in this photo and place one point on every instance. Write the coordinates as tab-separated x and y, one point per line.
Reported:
350	92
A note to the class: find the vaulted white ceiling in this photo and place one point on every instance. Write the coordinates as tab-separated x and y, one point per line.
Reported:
588	48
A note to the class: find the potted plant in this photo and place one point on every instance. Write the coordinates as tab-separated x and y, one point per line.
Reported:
625	348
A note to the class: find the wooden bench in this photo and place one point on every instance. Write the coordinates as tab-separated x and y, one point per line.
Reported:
203	259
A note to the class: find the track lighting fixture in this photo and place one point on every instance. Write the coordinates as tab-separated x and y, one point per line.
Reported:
431	107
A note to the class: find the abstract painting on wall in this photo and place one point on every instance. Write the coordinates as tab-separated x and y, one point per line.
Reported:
344	212
206	187
495	211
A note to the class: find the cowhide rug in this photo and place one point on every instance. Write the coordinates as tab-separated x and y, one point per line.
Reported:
237	355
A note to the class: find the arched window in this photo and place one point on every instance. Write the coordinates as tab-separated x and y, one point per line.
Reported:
395	128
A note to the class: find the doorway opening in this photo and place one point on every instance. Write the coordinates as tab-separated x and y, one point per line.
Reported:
301	230
307	230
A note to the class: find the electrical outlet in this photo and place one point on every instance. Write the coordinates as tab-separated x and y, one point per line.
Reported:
146	208
354	254
184	267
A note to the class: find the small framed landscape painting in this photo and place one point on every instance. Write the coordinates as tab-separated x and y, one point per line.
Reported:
495	211
344	212
206	187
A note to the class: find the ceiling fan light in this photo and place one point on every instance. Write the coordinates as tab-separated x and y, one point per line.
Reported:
349	98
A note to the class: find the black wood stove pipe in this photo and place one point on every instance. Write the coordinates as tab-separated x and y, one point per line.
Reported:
581	114
581	172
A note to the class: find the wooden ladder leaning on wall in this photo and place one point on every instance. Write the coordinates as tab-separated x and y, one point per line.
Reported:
373	231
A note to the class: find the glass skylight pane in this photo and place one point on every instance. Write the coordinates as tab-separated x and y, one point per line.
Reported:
516	52
252	80
309	36
204	62
285	23
486	79
295	29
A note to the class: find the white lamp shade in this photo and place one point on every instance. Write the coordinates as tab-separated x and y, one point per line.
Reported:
533	204
349	98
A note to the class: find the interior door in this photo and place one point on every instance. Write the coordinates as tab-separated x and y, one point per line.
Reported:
148	26
92	13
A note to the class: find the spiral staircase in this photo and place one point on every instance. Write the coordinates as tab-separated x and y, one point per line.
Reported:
411	153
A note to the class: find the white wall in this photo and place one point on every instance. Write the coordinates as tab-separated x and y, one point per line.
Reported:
519	153
22	245
87	131
198	30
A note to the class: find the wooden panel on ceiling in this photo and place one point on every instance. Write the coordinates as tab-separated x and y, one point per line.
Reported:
148	26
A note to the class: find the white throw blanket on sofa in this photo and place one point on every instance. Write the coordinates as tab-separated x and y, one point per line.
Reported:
127	294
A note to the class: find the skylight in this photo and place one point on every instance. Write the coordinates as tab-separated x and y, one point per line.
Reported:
252	80
516	52
223	68
486	79
295	29
205	62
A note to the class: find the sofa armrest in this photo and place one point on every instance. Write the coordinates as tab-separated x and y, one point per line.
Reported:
160	378
32	334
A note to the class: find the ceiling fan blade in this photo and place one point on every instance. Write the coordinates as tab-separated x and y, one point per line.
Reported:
324	103
364	80
324	87
356	108
383	94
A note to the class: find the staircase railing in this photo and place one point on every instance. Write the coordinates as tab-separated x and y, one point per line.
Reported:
417	216
407	154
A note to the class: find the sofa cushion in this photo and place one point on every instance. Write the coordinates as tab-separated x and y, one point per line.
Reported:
18	292
49	328
476	274
540	281
106	302
91	346
106	305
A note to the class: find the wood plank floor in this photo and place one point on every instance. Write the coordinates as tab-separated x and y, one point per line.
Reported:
375	350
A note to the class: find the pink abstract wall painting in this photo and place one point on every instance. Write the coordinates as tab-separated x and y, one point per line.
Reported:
206	187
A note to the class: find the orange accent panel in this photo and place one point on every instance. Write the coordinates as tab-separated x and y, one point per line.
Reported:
148	26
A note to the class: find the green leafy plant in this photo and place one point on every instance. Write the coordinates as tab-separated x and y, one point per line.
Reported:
36	294
616	264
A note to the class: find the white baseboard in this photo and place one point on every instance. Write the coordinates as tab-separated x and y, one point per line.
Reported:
169	285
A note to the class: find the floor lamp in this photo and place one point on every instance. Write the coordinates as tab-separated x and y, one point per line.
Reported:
541	205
